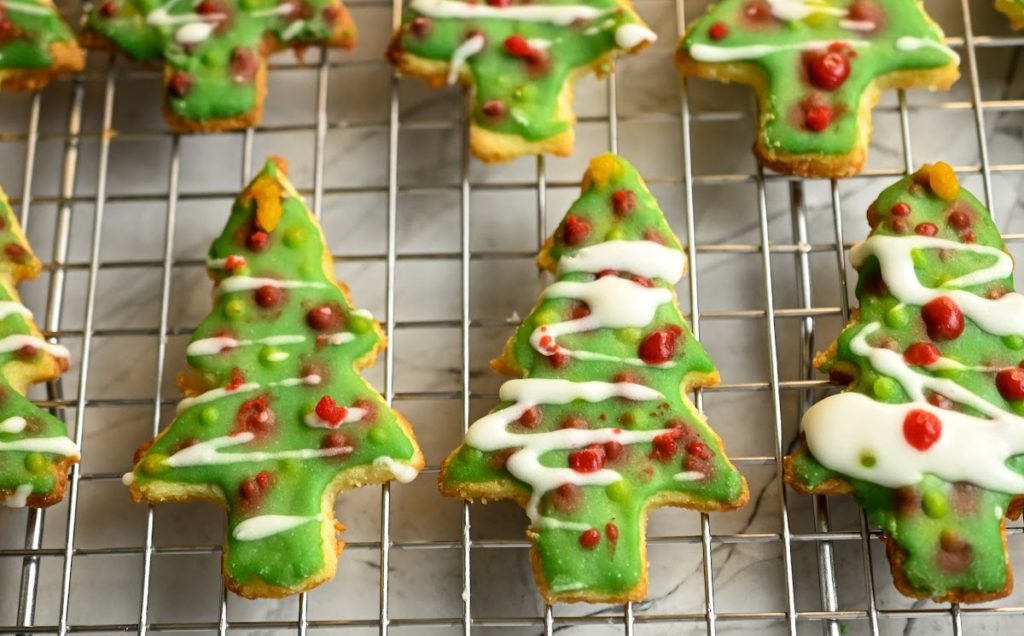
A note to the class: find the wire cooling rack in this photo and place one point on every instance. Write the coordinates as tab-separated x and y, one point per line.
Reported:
441	249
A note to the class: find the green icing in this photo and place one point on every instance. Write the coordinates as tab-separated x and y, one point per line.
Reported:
951	533
294	486
616	568
27	29
783	78
34	447
526	92
215	77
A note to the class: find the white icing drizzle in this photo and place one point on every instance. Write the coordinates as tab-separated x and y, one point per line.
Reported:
52	445
539	43
340	337
717	53
10	307
19	498
363	313
263	526
689	475
842	429
469	47
223	392
14	424
194	32
643	258
17	341
630	36
911	43
561	15
352	414
27	7
208	453
292	30
216	344
491	433
249	283
613	302
282	9
1002	316
404	473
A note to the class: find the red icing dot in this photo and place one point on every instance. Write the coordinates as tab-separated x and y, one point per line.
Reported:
421	27
943	319
331	13
321	318
699	450
921	429
16	252
180	84
257	241
499	3
922	353
333	440
575	421
517	46
643	282
233	263
253	490
26	352
254	416
565	497
237	379
926	229
758	10
576	230
244	64
587	460
531	417
494	109
718	31
967	236
558	360
899	225
829	70
579	310
1010	383
108	8
623	202
590	539
959	219
665	447
659	346
900	209
268	295
330	411
818	117
612	450
612	532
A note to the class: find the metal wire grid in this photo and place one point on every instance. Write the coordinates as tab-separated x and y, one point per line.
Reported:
627	618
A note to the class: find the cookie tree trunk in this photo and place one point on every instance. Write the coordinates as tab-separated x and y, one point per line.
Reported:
278	418
598	428
929	435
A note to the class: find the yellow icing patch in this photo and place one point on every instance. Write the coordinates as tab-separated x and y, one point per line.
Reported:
943	182
602	171
267	193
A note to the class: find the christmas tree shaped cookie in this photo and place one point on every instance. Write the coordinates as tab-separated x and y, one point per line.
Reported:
598	428
35	45
215	51
929	437
277	420
35	452
521	59
818	67
1014	9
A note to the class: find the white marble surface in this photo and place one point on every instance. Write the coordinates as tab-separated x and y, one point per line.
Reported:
748	576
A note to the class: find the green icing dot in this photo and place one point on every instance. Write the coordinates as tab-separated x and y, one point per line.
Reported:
153	464
270	356
294	237
471	454
885	388
525	93
234	308
309	268
617	491
614	234
378	435
919	258
208	416
291	467
36	463
629	335
868	459
360	324
897	317
1014	342
935	504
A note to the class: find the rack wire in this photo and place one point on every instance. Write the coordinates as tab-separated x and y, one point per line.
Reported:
818	563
